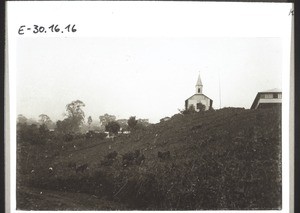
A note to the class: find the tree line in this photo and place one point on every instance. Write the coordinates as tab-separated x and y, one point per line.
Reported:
74	123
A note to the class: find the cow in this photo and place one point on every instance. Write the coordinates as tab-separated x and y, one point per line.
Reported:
81	168
78	168
164	155
133	158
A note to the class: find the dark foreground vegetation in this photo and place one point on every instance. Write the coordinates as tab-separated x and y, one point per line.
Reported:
223	159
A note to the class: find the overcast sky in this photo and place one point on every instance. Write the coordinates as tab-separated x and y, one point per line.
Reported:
145	77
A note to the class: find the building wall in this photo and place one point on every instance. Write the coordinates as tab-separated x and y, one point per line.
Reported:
268	101
199	99
269	98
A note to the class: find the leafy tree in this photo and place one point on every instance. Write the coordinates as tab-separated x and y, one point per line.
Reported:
112	127
123	124
143	122
106	118
75	115
90	120
44	120
132	122
64	126
44	131
190	110
31	133
21	119
201	107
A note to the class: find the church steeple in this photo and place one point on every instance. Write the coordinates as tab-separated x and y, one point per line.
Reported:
199	85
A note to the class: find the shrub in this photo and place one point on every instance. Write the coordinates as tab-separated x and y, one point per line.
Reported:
132	122
101	135
113	127
190	110
32	133
201	107
133	158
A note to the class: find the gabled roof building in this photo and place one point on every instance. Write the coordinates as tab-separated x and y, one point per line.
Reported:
267	99
198	98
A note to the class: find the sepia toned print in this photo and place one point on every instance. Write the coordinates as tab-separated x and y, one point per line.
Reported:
149	124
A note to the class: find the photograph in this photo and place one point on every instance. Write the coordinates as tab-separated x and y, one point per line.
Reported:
147	122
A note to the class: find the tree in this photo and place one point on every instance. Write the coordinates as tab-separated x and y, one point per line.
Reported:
143	122
43	131
190	110
112	127
106	118
123	124
31	133
75	115
201	107
63	126
21	119
90	120
44	120
132	122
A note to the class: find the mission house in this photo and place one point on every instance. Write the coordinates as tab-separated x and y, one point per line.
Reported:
198	98
267	99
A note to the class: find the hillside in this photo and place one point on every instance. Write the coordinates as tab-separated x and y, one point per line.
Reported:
223	159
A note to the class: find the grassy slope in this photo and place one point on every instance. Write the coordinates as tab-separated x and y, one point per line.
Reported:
224	159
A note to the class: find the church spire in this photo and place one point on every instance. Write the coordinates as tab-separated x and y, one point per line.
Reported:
199	85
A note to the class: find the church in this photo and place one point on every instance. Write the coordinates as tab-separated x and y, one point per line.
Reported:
198	98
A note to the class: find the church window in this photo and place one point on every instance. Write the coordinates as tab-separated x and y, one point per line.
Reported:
198	90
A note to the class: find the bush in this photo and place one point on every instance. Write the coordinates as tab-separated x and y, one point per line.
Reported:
109	159
32	133
68	137
101	135
90	134
132	122
190	110
133	158
113	127
201	107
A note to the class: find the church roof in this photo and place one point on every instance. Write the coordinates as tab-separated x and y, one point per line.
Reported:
199	82
198	95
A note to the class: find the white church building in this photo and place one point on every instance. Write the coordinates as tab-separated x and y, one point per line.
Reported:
198	98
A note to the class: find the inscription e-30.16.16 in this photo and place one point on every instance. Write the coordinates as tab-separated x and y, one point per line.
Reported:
54	28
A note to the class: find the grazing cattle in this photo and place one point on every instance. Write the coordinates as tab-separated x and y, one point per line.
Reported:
109	159
81	168
132	158
111	155
72	165
137	153
140	159
78	168
164	155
